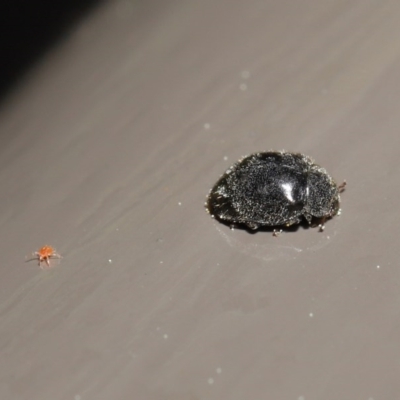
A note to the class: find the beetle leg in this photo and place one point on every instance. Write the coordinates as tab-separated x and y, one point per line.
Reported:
308	218
253	225
321	226
276	232
342	186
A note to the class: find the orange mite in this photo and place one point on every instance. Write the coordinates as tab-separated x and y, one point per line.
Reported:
45	254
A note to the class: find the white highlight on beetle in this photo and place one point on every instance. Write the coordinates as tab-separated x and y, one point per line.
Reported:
288	189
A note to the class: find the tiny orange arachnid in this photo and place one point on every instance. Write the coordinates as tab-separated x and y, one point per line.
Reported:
44	254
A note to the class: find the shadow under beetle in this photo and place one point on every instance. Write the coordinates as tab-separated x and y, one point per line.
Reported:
274	189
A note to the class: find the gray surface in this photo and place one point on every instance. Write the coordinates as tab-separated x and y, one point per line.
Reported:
112	143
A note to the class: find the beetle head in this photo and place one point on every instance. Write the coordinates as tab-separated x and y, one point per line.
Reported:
322	195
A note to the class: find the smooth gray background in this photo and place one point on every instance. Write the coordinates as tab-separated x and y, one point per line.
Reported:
110	145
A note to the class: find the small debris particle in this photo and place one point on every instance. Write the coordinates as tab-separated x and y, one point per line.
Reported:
378	266
243	87
210	381
165	336
207	127
225	158
245	74
219	370
179	203
311	314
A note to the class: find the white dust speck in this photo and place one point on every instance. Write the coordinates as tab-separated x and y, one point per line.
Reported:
165	336
378	266
117	229
219	370
77	397
370	398
245	74
207	127
161	262
158	328
243	87
311	314
328	237
301	398
179	203
225	158
110	261
210	381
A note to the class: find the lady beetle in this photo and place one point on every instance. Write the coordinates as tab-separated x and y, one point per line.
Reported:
274	189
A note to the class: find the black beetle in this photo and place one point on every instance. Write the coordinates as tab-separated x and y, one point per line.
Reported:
272	189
